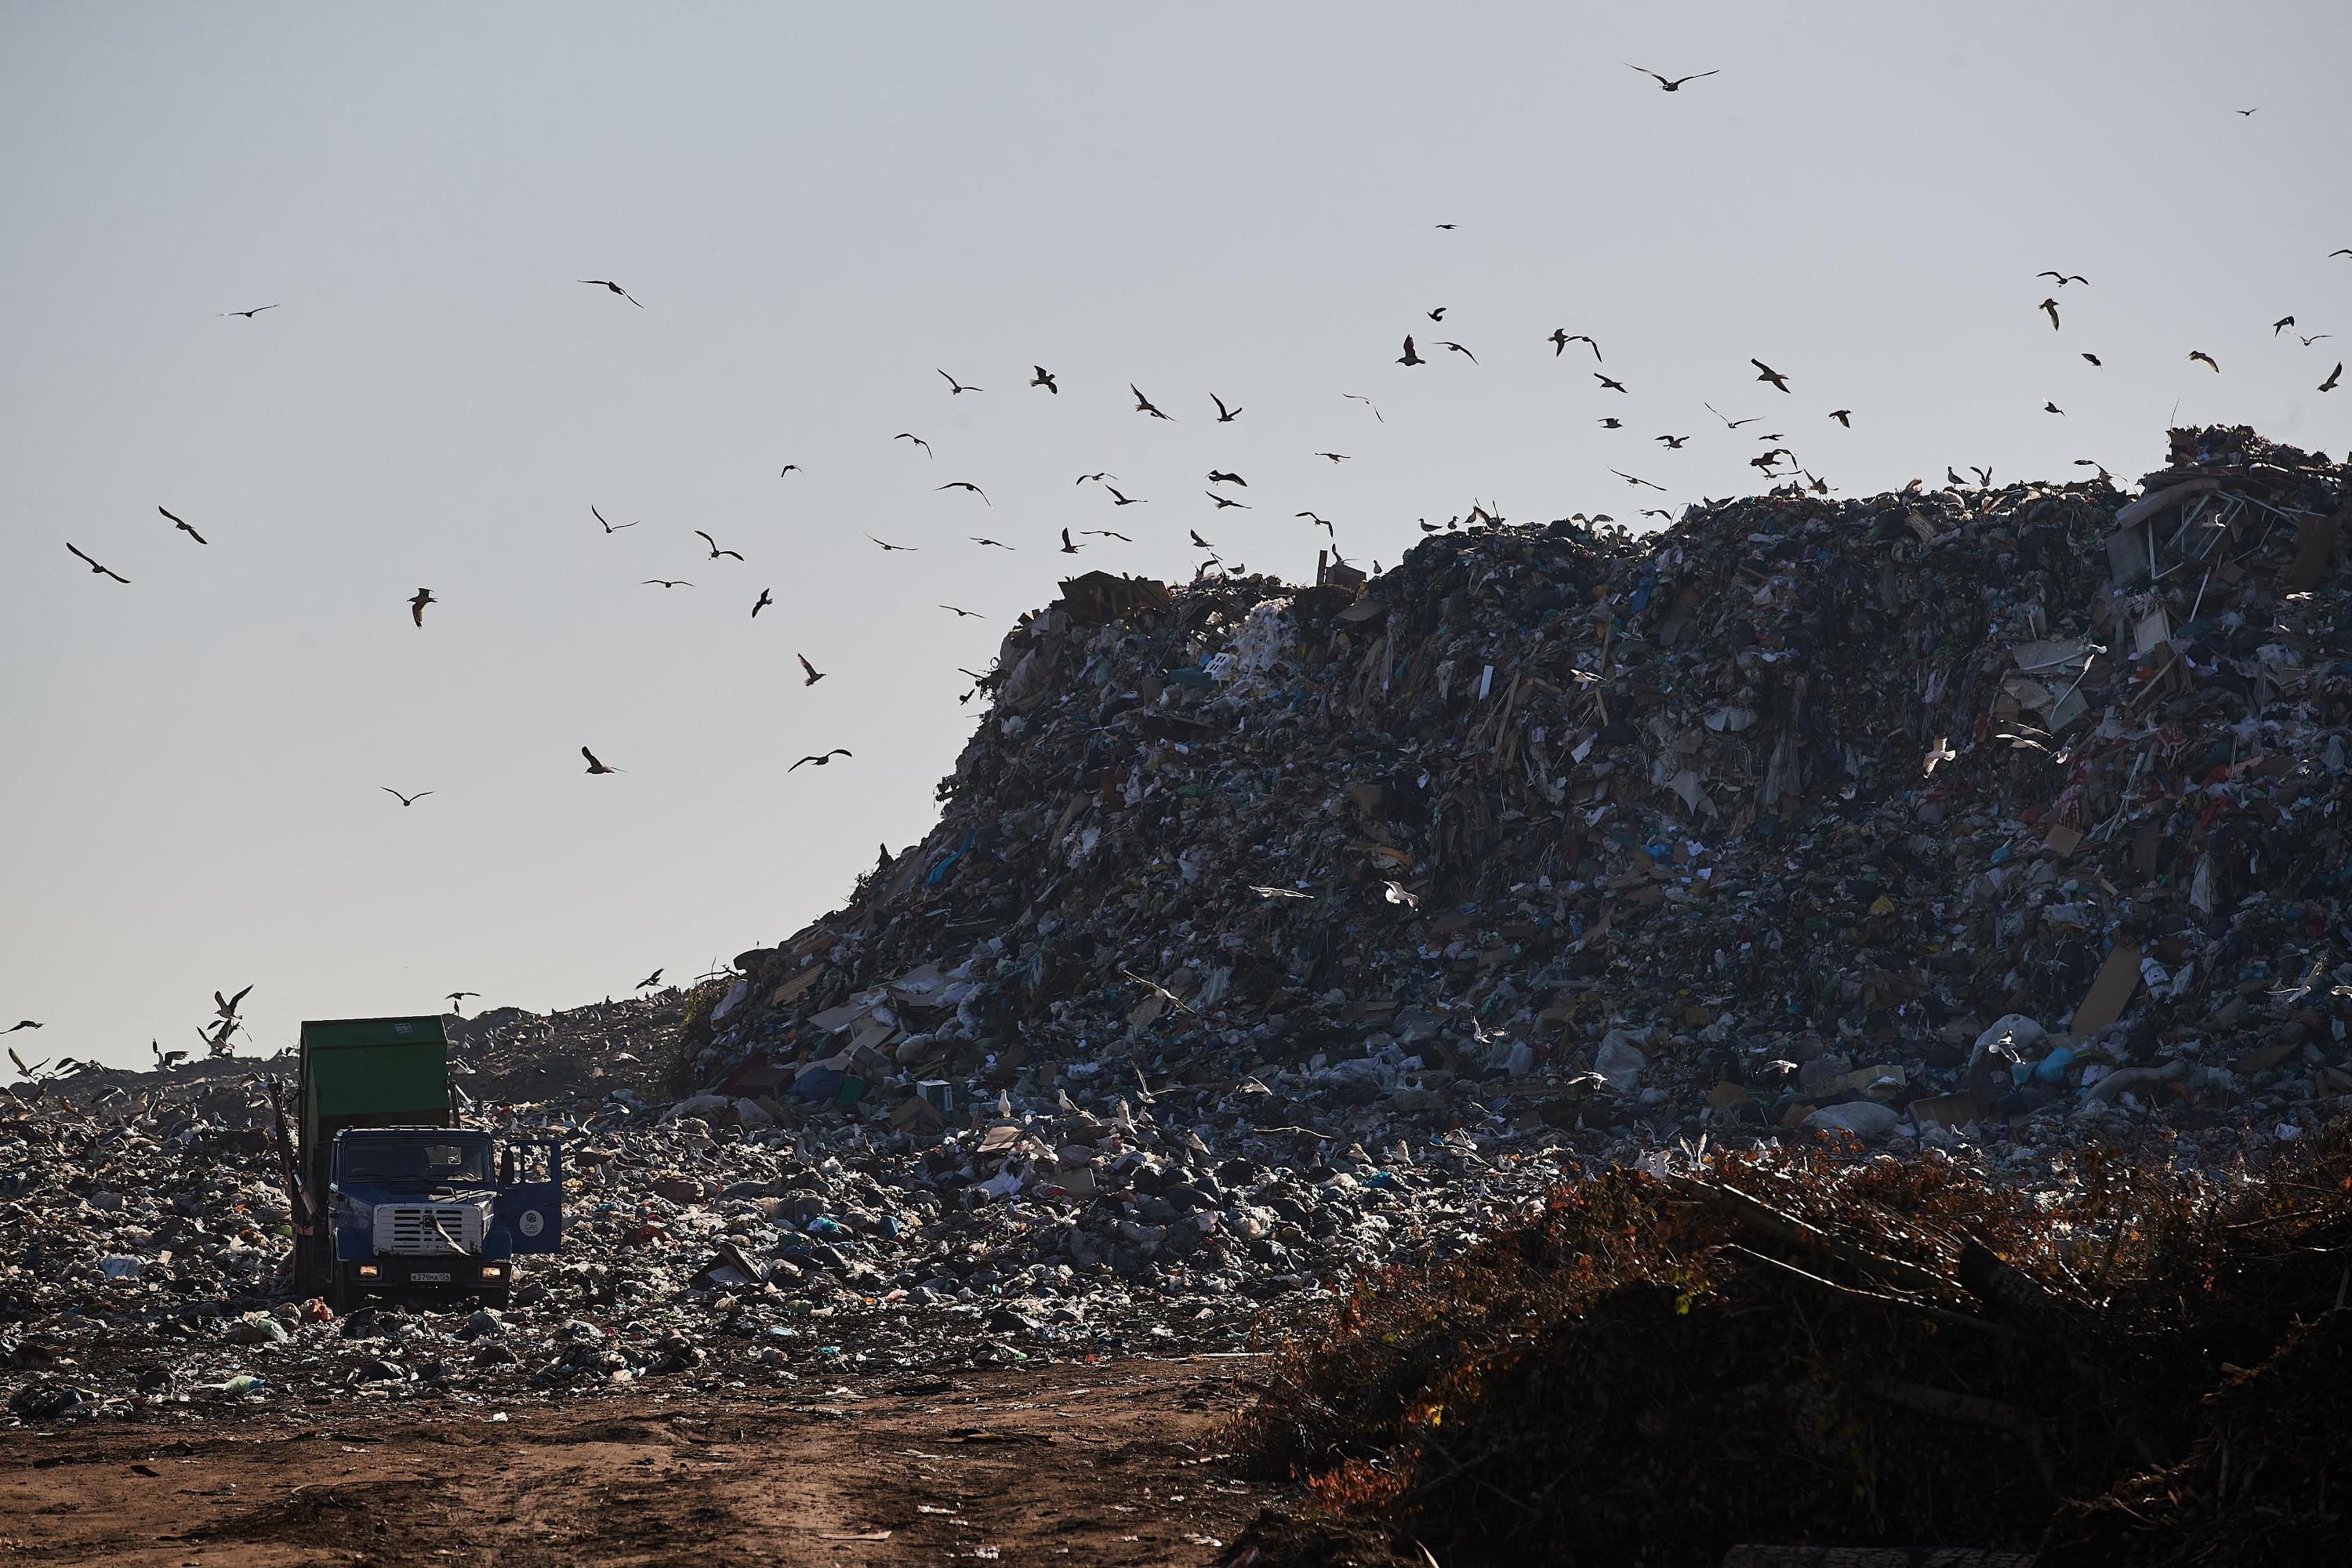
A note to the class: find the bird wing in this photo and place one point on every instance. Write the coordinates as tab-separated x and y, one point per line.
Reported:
706	540
1647	72
591	756
806	664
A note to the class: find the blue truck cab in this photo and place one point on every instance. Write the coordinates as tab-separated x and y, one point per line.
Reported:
424	1211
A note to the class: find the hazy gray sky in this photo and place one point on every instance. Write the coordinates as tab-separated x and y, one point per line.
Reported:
819	208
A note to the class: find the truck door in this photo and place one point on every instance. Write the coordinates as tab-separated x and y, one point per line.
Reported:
529	1212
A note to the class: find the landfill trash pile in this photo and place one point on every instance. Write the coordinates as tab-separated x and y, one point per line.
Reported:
2137	1364
1999	816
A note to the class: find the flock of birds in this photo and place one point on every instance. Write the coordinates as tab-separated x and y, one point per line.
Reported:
1779	463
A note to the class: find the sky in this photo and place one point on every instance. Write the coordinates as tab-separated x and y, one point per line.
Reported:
821	209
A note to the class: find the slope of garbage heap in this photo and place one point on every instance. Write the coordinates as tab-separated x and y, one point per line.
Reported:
2007	814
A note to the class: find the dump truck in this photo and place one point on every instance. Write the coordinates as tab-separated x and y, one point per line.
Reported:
390	1194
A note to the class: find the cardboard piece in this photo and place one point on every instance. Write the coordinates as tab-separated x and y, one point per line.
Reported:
2062	840
2111	991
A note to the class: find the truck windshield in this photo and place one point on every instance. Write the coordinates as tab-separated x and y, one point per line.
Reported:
382	1160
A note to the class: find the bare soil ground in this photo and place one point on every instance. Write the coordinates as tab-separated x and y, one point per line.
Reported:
1109	1463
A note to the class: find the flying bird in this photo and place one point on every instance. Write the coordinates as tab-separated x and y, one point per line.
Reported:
2282	323
2333	254
1197	540
1671	442
417	605
105	571
1097	478
1984	475
1068	547
1225	415
811	672
955	386
2332	378
2063	279
1439	313
1447	225
1774	376
1322	522
1144	405
1609	385
910	549
19	1023
2244	111
819	760
457	1000
404	799
2092	358
1409	357
1457	348
666	583
1675	84
1729	424
184	528
968	485
917	440
615	288
2314	338
1217	478
1119	499
2209	364
1843	416
1223	502
962	614
2050	307
248	315
790	469
226	1006
1613	423
715	552
1367	402
650	981
596	767
1631	480
2052	407
997	543
1335	457
1044	378
1561	337
1106	533
766	598
611	528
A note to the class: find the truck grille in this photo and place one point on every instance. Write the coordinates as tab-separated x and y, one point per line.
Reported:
429	1229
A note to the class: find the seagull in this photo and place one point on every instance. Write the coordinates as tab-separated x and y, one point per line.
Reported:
1322	522
1144	405
955	386
594	766
1671	442
200	539
1843	416
715	552
766	598
2063	279
1457	348
1223	502
1354	397
2333	254
2052	407
1409	357
609	528
248	315
2281	323
2201	355
813	673
1398	894
910	549
1278	892
1613	423
1217	478
1117	498
1335	457
1675	84
666	583
917	440
1439	313
997	543
404	799
1774	376
1608	384
1225	415
2244	111
2332	378
1447	225
1198	540
2092	358
1561	337
1729	424
417	605
650	981
2049	306
19	1023
226	1006
790	469
1044	378
819	761
1631	480
1106	533
2314	338
1984	475
615	288
1951	474
1068	547
968	485
457	1000
105	571
962	614
1097	478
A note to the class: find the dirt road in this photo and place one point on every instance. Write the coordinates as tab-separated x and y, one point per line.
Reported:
1078	1464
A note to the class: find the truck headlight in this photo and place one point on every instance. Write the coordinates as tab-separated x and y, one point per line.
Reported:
491	1272
369	1270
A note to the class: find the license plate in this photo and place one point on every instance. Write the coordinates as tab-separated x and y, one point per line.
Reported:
430	1276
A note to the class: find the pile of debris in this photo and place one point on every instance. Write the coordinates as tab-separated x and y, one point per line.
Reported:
1940	814
2135	1365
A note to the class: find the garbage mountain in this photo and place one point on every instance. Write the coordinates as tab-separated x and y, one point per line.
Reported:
1899	816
